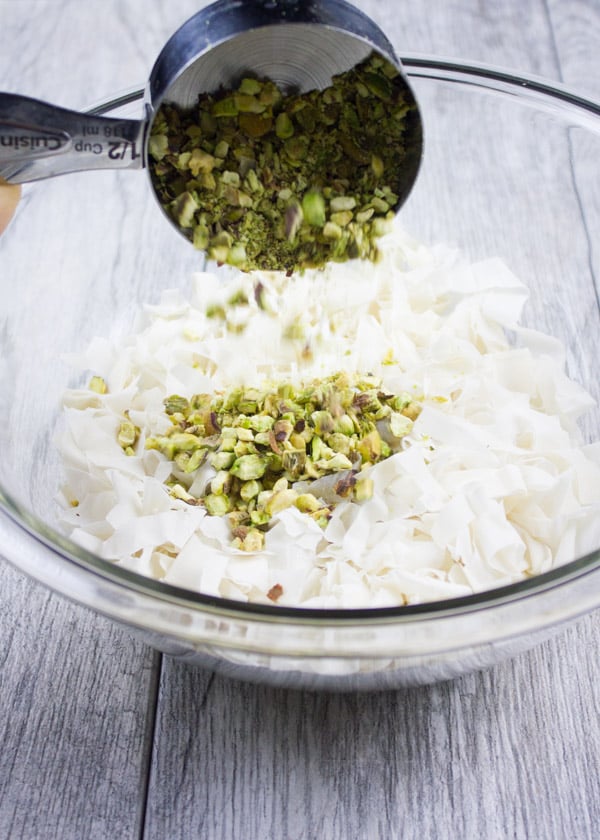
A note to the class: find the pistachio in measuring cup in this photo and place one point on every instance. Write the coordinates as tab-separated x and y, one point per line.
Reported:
263	180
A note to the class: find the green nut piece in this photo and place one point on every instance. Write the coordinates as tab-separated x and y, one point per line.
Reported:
338	463
261	422
250	86
250	489
179	492
280	501
183	209
259	517
98	385
196	460
323	422
284	127
369	448
363	489
217	505
252	540
307	503
399	424
342	202
249	467
221	483
158	146
294	462
176	405
184	441
127	435
313	208
222	460
225	107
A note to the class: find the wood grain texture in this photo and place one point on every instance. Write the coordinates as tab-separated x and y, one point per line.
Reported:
509	753
576	35
75	695
505	753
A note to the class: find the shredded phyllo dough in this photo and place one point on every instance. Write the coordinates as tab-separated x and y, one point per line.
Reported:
361	436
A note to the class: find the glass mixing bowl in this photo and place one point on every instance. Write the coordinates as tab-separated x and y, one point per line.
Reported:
510	169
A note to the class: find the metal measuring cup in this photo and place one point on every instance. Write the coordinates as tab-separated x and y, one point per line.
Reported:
298	44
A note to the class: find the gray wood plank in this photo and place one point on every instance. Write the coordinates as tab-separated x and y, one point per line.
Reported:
512	752
76	694
576	29
576	34
510	34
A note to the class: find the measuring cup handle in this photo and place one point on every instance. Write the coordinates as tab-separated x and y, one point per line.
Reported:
39	140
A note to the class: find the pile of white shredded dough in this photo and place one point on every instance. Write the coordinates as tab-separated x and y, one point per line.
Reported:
492	485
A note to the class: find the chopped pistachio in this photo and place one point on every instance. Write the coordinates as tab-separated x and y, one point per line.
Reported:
196	460
249	467
176	404
342	202
248	104
399	424
377	165
217	505
250	86
322	422
379	205
127	435
341	218
183	209
339	442
222	460
284	127
252	540
281	173
215	311
363	489
179	492
295	330
261	422
261	441
332	231
369	448
158	146
313	208
335	464
225	107
307	503
244	434
221	483
364	215
98	385
259	517
280	500
294	462
185	441
221	149
250	489
344	425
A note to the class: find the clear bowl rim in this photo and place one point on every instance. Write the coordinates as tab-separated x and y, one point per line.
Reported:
529	88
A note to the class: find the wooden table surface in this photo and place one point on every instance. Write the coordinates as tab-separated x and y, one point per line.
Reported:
101	737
